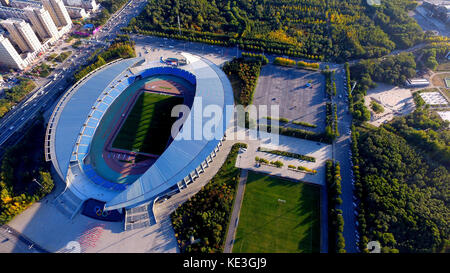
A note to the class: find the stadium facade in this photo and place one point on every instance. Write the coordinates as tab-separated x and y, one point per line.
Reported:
79	112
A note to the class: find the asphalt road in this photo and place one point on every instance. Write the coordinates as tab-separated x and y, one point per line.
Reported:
342	154
234	219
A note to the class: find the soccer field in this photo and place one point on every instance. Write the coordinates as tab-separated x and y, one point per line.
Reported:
147	127
267	225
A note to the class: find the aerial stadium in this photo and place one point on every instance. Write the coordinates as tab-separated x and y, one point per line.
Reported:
109	137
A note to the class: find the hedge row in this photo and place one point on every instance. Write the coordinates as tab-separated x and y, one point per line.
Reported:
285	120
335	219
288	154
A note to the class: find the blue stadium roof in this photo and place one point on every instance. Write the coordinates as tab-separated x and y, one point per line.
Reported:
70	119
77	120
183	156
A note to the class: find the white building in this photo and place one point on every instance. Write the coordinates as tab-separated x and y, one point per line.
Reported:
58	12
9	56
42	23
22	34
20	4
86	4
417	82
76	12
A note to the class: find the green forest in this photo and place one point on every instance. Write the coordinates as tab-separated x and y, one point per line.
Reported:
314	29
401	173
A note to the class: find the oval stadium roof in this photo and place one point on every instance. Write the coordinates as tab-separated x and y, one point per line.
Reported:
176	162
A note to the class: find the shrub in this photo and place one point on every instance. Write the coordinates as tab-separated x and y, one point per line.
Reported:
277	163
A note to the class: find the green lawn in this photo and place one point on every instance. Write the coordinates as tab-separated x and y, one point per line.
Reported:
269	226
148	125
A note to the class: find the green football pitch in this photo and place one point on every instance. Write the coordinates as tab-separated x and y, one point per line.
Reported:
278	216
147	127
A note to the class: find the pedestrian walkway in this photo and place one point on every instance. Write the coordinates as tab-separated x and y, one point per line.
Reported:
234	220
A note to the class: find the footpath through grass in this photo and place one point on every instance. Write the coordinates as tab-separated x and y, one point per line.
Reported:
278	216
148	125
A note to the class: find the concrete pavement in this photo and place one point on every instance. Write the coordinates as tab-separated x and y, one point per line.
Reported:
233	224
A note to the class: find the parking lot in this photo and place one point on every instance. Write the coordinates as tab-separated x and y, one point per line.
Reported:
287	87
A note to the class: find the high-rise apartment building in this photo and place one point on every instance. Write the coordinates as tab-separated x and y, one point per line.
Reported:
58	12
22	34
42	22
8	54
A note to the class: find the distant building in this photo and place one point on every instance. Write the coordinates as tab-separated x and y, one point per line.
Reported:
85	4
4	2
8	12
76	12
8	54
58	12
22	34
417	82
20	4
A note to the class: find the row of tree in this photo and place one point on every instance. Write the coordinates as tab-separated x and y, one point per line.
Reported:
331	121
332	30
336	241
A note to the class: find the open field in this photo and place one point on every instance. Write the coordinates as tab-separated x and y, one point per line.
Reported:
147	127
268	225
439	79
445	66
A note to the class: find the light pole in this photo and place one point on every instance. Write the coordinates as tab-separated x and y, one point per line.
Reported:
34	180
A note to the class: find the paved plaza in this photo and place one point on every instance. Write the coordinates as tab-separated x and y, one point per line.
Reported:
321	152
433	98
395	100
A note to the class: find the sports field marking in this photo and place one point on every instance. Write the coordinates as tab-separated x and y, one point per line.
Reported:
147	126
267	224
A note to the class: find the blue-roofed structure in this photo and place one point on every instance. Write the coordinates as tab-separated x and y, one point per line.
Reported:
80	111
